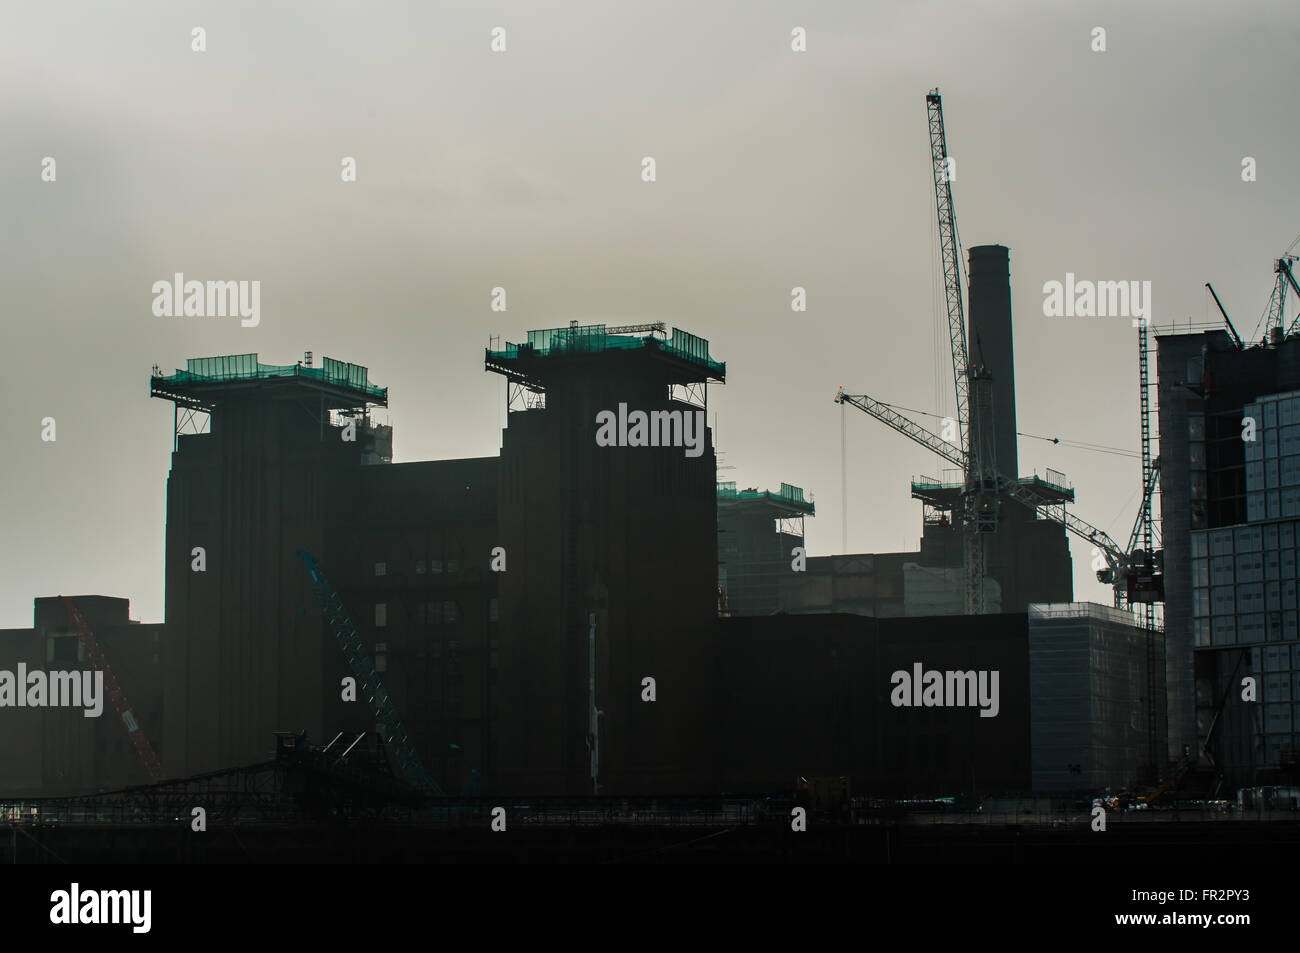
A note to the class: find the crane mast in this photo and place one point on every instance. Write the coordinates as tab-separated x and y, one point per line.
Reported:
1276	316
1147	609
1284	274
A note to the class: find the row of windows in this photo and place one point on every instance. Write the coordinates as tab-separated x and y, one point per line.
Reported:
438	612
1276	410
1246	629
1273	504
1272	474
1246	597
424	567
446	612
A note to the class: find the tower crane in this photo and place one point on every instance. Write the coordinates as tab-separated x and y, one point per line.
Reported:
1133	572
1274	319
1282	267
1004	486
1130	571
971	385
1144	582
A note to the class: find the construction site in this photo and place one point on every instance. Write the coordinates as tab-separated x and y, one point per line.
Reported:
612	645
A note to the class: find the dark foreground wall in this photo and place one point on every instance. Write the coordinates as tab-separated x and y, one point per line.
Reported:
48	751
811	696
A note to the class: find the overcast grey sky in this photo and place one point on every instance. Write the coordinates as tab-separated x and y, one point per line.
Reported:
522	169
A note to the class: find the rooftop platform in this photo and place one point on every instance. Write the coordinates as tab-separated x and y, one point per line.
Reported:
208	380
1050	491
683	357
785	503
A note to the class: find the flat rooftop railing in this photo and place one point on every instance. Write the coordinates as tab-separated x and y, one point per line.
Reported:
593	339
233	368
792	495
1080	610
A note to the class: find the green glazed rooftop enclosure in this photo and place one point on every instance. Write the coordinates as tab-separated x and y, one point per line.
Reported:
788	496
1053	490
205	379
554	344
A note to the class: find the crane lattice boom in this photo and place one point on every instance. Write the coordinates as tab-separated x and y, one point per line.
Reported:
368	680
1006	486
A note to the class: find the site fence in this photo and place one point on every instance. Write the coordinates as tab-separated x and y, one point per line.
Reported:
252	809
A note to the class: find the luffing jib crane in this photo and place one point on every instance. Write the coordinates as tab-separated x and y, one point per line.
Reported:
390	723
1236	338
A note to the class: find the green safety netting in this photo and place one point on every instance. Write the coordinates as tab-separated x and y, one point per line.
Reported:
789	494
237	367
593	338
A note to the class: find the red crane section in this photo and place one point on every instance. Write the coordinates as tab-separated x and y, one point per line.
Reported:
96	656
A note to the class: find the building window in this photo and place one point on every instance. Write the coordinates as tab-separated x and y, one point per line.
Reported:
450	612
435	565
1200	572
381	569
494	611
62	650
381	614
419	567
1201	630
453	565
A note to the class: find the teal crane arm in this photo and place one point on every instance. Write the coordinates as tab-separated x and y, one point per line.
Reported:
381	704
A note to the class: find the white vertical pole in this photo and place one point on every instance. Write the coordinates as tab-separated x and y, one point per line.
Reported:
593	724
844	482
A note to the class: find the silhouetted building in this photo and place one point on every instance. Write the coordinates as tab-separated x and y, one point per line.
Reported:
813	695
52	751
607	519
548	614
758	533
1230	520
1087	679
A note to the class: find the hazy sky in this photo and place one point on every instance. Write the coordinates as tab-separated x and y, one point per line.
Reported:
522	169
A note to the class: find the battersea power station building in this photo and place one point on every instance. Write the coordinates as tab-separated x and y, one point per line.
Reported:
541	616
